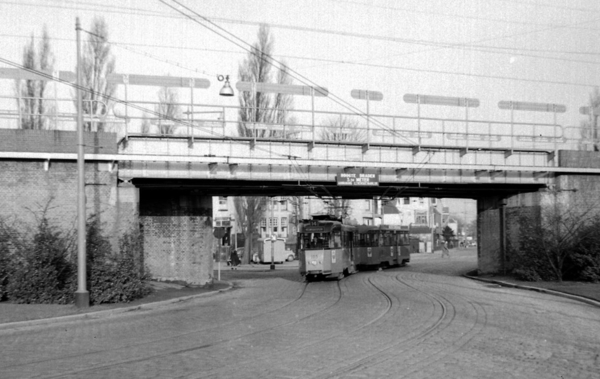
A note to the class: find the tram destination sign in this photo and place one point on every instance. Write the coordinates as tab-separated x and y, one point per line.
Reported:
357	179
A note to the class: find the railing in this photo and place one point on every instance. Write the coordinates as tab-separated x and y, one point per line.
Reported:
216	121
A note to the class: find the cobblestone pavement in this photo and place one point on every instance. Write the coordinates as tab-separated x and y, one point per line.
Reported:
419	321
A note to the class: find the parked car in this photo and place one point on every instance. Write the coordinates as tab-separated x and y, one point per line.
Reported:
290	255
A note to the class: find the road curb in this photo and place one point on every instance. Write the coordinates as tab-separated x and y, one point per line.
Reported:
537	289
108	312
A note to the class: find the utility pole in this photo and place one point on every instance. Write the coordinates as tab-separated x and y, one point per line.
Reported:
82	296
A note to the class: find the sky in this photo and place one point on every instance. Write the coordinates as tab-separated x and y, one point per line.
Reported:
543	51
531	50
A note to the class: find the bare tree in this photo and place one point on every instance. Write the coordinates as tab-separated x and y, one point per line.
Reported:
97	63
590	127
145	126
168	109
258	107
261	108
33	106
249	211
547	242
341	129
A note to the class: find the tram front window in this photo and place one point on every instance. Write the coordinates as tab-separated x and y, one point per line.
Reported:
315	241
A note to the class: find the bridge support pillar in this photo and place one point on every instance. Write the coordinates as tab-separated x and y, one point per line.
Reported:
177	231
489	225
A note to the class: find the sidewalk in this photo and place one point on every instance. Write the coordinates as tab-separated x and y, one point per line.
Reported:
585	292
14	315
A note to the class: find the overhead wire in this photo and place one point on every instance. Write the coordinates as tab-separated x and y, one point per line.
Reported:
357	63
270	60
462	16
375	37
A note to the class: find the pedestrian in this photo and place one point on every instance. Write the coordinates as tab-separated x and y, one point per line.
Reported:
235	260
445	251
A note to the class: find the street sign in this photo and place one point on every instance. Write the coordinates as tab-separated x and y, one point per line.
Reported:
535	107
366	95
441	100
158	81
357	179
16	73
286	89
586	110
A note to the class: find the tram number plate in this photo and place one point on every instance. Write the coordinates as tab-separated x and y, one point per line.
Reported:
369	252
333	256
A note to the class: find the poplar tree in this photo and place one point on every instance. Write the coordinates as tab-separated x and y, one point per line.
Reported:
33	106
97	63
258	107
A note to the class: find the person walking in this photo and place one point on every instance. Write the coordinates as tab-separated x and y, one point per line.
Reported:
445	251
235	259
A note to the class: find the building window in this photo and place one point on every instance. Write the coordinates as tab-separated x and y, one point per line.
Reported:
433	201
421	200
284	222
284	205
272	222
222	203
368	205
367	221
421	218
407	200
263	223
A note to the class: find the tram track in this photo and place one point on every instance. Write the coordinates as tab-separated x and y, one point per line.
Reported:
391	353
374	356
179	335
257	360
212	344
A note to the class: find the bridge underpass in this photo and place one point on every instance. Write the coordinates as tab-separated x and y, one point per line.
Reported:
499	163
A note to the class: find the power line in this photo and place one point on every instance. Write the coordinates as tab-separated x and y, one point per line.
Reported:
459	16
263	56
350	34
122	46
124	102
544	5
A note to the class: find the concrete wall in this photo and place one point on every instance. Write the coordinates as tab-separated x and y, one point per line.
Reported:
177	229
489	249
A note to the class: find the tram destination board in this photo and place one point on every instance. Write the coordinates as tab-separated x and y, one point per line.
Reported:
357	179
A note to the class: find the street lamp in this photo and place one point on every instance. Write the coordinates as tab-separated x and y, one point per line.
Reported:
271	223
226	90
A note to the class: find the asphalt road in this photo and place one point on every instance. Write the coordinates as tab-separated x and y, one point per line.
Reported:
420	321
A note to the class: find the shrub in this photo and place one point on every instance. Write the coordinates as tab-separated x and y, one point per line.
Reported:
566	248
43	269
40	270
115	278
527	275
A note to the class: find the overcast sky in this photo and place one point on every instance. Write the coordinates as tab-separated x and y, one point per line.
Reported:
530	50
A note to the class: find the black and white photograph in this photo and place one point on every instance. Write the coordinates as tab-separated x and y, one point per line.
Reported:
344	189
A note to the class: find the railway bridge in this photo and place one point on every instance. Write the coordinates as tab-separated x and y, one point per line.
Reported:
163	179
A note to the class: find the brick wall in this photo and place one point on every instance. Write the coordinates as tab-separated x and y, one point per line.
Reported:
28	190
177	229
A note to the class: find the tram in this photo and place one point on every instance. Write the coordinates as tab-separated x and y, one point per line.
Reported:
330	249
